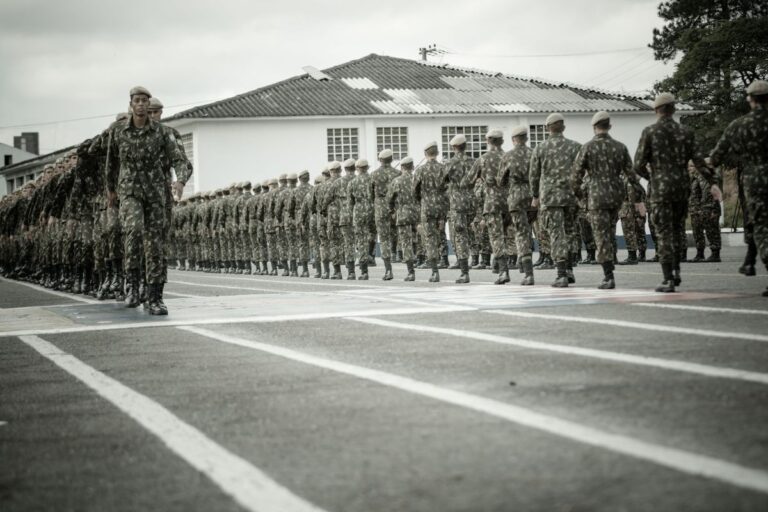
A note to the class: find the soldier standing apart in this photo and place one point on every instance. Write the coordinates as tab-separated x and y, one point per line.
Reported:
746	137
668	147
428	187
345	216
332	210
550	174
604	162
400	200
460	192
381	178
135	173
320	210
360	193
302	237
514	175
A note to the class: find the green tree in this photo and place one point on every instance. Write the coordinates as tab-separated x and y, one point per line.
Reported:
723	46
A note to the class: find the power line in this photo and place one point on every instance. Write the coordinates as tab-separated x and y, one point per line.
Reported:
540	55
608	72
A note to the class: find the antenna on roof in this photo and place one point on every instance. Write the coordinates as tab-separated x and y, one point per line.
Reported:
431	50
316	74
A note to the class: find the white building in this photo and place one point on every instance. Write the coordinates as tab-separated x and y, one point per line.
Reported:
360	107
11	155
13	177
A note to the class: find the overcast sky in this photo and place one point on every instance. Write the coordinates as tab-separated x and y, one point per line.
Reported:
64	60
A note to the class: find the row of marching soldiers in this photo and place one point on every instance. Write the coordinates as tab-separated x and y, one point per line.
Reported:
284	221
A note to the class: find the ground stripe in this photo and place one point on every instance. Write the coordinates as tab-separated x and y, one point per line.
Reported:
227	287
164	322
72	296
617	357
634	325
687	462
248	485
184	295
280	280
707	309
32	308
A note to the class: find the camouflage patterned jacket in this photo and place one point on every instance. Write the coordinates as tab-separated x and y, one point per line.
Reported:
299	195
400	200
487	169
360	193
667	147
429	189
606	164
381	178
515	167
550	173
330	203
341	188
460	190
746	137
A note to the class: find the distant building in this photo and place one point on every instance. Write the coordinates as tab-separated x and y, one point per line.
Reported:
28	141
14	176
360	107
10	156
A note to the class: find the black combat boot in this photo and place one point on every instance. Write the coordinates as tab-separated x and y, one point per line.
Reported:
576	258
503	270
475	260
387	270
294	268
318	272
495	266
78	280
668	286
372	253
351	271
399	257
526	265
326	270
547	264
444	262
144	291
304	269
750	259
274	268
684	256
435	277
562	276
422	262
569	273
336	272
699	256
117	287
363	268
133	298
512	262
286	269
641	256
714	257
676	274
486	260
411	272
464	277
156	305
609	283
589	259
631	258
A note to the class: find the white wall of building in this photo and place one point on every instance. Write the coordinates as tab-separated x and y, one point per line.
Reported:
232	150
17	155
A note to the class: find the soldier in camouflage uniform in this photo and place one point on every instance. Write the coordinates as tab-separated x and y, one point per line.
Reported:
309	220
585	228
515	168
481	251
606	164
345	216
550	173
302	239
381	179
280	204
628	222
460	193
332	209
746	138
320	211
705	219
545	247
242	240
488	170
251	222
642	243
270	227
668	147
400	200
428	189
360	194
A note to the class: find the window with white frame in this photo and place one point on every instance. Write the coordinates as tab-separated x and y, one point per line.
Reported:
342	144
537	134
475	135
9	186
189	148
394	138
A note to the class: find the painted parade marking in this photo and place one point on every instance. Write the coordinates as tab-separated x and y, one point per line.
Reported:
707	309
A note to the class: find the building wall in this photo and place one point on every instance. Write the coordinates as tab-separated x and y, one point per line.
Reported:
17	156
226	151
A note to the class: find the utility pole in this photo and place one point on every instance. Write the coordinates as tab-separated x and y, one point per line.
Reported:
430	50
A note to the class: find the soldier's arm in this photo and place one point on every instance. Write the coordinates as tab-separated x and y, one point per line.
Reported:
722	148
580	166
643	155
473	175
534	174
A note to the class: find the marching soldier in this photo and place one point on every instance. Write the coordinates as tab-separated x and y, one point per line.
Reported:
401	201
381	179
460	193
428	187
360	194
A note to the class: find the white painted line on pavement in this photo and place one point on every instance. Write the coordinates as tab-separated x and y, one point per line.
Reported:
707	309
247	484
617	357
686	462
72	296
160	323
185	295
283	280
226	287
635	325
32	308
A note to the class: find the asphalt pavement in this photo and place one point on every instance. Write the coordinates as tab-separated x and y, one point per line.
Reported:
287	394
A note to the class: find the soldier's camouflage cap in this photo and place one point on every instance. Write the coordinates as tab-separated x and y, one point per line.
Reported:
240	185
519	130
431	144
140	90
326	170
758	88
304	173
292	176
458	140
494	134
554	118
265	183
407	160
385	153
319	179
361	163
155	104
246	184
273	181
664	98
219	192
349	162
334	165
600	116
283	177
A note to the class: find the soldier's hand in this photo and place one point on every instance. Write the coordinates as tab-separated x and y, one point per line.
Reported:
535	202
640	207
716	193
111	199
178	190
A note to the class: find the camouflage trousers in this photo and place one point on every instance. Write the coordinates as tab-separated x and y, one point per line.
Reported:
335	243
143	224
482	243
314	241
432	238
114	233
384	230
560	223
302	244
669	219
85	238
291	241
542	235
459	224
500	245
642	243
519	232
406	237
363	235
242	245
348	234
756	199
706	228
603	224
273	246
322	238
99	242
629	228
585	231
